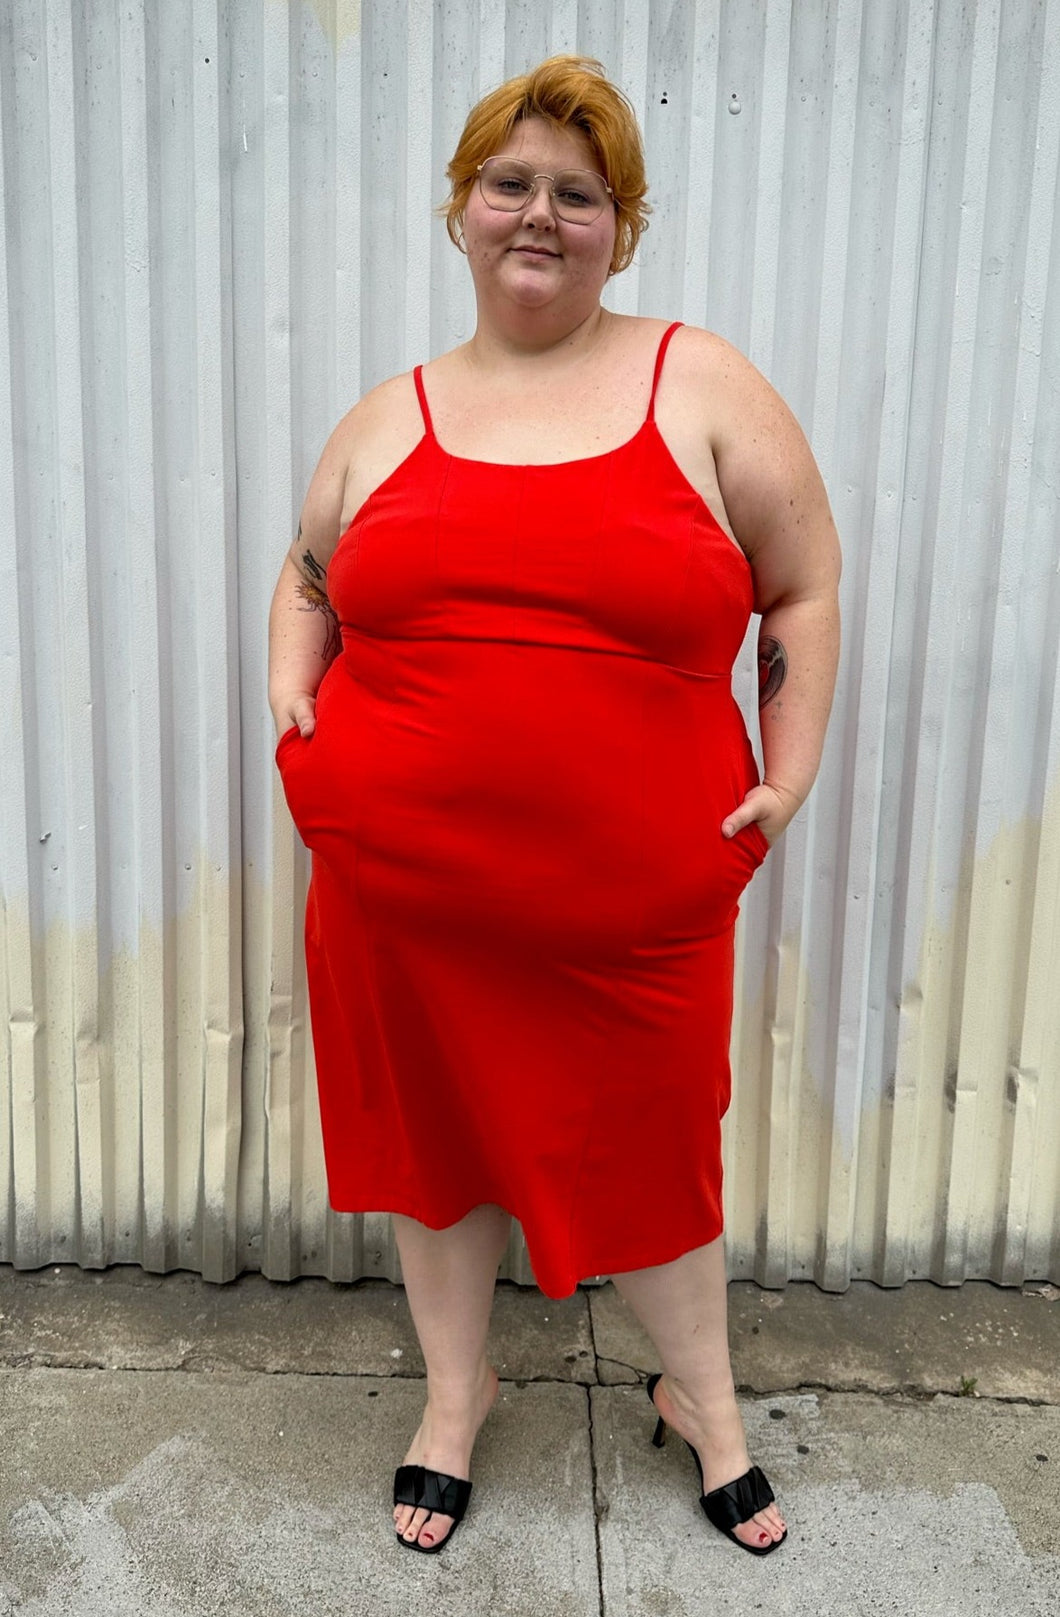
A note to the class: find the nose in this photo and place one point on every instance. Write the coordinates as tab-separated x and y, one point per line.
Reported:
537	210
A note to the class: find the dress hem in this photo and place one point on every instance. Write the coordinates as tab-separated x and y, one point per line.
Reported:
625	1264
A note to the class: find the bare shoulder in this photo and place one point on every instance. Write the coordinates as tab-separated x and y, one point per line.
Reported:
751	429
704	361
382	430
769	480
369	441
382	410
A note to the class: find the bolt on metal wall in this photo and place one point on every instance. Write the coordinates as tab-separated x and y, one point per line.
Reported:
218	233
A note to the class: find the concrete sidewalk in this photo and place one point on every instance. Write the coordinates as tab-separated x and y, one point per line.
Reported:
173	1449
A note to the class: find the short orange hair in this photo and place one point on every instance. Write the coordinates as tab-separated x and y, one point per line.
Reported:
571	92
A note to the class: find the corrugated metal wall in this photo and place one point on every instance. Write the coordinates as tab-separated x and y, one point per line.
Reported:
218	232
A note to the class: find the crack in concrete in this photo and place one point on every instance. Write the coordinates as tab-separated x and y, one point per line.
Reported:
865	1390
597	1513
187	1366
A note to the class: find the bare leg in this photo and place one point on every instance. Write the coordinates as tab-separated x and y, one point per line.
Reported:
683	1307
449	1280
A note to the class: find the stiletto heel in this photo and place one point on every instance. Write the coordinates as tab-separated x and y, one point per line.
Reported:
734	1503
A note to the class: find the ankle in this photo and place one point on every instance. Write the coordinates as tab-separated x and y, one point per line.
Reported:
455	1396
708	1400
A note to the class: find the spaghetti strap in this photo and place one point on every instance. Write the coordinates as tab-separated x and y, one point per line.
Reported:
660	356
417	377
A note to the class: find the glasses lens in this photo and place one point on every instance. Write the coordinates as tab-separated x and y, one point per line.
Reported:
508	184
579	194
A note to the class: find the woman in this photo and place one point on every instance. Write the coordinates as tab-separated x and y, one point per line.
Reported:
529	794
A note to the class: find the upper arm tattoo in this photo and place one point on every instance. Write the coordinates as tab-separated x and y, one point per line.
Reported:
309	561
772	669
312	566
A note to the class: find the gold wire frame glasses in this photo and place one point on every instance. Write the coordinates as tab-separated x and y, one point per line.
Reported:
578	195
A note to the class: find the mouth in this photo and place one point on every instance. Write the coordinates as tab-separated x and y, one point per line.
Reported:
536	252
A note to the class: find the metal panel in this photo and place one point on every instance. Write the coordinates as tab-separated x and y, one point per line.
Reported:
217	233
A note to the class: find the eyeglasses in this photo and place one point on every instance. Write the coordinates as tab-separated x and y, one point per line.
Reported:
578	195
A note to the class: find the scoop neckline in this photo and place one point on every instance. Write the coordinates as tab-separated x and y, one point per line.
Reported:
538	465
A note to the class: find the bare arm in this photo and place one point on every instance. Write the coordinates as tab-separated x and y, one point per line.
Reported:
303	629
779	511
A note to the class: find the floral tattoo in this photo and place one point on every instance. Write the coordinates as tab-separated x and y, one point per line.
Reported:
772	669
316	601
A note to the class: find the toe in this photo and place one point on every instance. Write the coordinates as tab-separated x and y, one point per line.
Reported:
413	1525
424	1527
772	1521
767	1527
753	1534
434	1531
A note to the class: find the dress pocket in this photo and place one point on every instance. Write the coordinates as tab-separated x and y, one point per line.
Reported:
747	850
759	837
288	735
289	754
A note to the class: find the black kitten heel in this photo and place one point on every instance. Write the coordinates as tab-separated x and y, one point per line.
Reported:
734	1503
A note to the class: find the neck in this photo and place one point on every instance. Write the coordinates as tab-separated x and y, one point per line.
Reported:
534	334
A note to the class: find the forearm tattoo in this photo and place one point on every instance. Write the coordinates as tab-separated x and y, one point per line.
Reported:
316	600
772	669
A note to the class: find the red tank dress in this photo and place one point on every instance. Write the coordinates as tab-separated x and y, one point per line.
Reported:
519	929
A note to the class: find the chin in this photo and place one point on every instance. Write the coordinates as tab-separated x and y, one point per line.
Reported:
530	277
537	287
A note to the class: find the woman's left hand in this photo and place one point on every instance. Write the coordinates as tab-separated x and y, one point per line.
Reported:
770	807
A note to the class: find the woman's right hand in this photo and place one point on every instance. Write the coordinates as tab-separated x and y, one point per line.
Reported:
297	709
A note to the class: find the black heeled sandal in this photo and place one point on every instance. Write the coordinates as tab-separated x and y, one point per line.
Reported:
419	1486
734	1503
